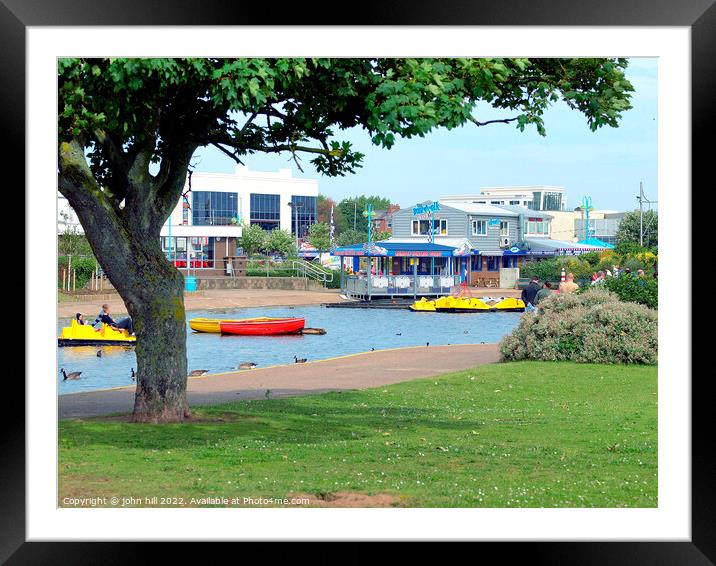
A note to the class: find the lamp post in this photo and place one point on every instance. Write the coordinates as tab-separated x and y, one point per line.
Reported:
368	213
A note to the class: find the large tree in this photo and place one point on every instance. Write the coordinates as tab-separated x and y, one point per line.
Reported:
128	129
635	228
352	209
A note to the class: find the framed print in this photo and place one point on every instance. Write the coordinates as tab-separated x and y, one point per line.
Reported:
321	353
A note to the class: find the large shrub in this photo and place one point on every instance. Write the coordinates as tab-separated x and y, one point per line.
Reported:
630	287
592	327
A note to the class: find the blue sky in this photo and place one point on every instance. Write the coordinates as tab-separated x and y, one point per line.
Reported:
606	165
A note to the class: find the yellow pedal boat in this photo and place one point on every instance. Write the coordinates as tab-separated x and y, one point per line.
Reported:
85	335
510	304
423	305
467	304
461	304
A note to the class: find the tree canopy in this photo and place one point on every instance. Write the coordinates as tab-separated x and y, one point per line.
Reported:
630	227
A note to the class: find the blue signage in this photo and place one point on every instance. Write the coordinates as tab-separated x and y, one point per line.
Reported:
426	208
493	222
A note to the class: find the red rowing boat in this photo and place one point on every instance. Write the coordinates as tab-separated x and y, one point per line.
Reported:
262	326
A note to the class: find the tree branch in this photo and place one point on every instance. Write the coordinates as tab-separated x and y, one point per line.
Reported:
227	152
505	121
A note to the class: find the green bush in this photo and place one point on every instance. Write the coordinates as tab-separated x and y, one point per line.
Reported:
83	266
591	327
550	269
545	269
630	287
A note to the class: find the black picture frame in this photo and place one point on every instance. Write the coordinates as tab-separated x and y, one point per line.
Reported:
699	15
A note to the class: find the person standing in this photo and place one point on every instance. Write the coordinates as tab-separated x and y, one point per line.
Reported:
544	292
530	292
568	285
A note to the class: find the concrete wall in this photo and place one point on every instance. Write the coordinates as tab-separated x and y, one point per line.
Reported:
508	277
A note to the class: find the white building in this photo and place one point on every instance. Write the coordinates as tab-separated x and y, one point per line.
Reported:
206	223
536	197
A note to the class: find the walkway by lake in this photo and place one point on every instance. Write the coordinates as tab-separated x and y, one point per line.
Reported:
371	369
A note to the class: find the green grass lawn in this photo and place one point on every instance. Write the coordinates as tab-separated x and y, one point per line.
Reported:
521	434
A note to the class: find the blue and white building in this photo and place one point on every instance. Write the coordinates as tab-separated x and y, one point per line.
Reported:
436	246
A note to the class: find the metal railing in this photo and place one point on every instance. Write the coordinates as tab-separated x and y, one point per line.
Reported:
392	285
292	267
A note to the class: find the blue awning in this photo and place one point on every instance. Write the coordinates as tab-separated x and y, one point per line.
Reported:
397	249
596	242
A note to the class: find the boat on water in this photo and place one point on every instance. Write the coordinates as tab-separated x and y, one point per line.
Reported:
468	304
86	335
423	305
212	324
510	304
262	326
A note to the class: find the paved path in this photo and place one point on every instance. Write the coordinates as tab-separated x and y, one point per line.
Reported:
358	371
215	299
209	299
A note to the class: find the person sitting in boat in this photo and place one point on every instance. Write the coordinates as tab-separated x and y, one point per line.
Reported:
105	318
79	318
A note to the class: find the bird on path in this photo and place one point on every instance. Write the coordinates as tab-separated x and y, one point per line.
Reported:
197	372
134	375
268	392
73	375
301	361
247	365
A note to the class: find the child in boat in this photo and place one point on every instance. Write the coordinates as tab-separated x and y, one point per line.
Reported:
79	318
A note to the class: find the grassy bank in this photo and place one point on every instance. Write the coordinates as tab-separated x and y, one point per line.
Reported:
523	434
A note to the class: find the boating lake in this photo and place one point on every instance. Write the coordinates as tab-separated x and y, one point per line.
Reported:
348	331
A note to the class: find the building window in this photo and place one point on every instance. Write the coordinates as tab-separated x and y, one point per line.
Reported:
265	210
422	227
493	263
536	227
212	208
504	228
515	202
552	201
304	215
479	227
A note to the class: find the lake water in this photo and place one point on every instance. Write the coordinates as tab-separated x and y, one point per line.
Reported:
349	331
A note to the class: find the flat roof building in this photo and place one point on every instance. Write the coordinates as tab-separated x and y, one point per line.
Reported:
205	225
534	197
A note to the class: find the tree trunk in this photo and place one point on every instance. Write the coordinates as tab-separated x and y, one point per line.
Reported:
126	242
160	326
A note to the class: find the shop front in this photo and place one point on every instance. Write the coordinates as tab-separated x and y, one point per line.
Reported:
393	269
